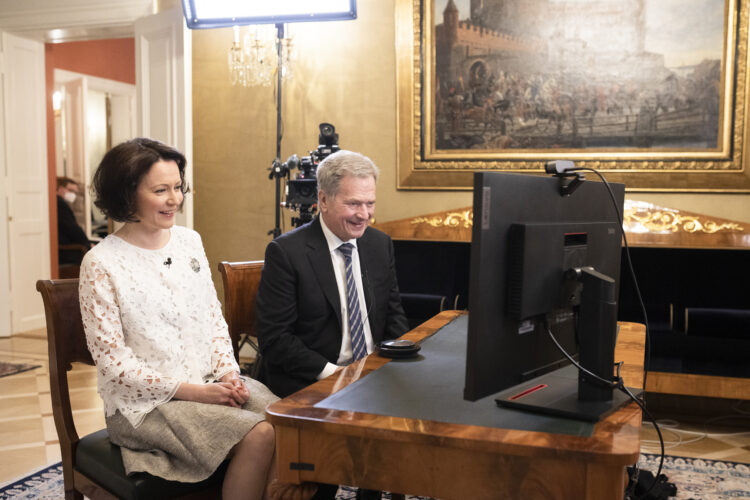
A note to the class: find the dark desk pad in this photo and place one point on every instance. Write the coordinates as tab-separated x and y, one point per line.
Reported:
430	387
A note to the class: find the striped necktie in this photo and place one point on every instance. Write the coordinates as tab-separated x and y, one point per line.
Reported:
356	330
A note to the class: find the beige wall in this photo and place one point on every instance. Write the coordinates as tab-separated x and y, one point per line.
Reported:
345	75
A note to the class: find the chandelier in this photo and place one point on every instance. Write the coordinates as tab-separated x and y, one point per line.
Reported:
254	62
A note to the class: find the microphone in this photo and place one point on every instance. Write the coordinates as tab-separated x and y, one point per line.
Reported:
292	162
368	291
168	262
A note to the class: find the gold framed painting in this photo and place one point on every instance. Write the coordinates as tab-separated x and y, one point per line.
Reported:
651	93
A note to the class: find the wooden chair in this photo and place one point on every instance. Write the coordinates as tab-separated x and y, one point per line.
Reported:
92	466
241	281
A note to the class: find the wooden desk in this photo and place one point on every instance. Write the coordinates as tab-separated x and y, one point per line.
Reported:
453	461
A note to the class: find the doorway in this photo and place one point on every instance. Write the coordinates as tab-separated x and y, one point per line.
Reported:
163	104
91	115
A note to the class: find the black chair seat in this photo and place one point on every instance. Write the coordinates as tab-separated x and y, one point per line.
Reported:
98	458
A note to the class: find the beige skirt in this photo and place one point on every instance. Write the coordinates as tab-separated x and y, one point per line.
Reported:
184	440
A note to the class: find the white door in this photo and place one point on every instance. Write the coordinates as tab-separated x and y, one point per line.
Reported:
74	113
25	158
164	87
122	118
85	117
75	126
5	325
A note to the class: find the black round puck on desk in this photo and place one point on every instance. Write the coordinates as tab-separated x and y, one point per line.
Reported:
398	348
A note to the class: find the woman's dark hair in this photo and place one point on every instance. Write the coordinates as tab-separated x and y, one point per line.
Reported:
116	179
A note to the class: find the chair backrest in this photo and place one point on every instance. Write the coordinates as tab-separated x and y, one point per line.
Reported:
241	280
82	249
66	343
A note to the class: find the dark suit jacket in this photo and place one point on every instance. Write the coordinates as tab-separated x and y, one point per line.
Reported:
298	313
68	231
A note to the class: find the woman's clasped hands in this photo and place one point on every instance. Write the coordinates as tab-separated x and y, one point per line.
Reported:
230	390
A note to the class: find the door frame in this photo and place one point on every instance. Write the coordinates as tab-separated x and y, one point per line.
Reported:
112	87
163	77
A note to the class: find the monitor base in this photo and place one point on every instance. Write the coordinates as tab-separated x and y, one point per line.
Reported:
556	393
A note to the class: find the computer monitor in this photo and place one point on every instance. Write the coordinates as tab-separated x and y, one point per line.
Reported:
541	258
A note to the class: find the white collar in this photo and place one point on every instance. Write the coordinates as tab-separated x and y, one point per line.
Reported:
333	241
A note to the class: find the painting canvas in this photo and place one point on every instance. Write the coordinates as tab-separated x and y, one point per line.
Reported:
625	86
546	74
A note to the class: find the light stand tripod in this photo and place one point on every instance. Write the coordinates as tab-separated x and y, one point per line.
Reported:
278	169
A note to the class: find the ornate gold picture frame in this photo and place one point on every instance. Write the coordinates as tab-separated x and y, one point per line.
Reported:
487	85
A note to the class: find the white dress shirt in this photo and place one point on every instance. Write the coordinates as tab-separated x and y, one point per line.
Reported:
339	269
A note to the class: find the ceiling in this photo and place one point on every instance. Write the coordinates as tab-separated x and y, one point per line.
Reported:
73	20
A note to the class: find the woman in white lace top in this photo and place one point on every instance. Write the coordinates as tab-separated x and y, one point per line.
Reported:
173	398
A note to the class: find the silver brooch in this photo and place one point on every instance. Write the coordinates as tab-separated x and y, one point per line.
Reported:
195	265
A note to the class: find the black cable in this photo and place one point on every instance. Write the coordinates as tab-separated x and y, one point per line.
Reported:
609	383
647	361
658	432
619	384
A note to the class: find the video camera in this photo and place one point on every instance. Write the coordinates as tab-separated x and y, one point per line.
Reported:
302	191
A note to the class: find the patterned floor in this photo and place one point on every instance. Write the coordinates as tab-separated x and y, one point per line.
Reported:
709	429
697	478
712	429
28	440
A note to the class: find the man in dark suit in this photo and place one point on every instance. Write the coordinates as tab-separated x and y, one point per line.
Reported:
302	308
328	294
68	230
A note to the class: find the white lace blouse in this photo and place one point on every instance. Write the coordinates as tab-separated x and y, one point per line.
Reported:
152	321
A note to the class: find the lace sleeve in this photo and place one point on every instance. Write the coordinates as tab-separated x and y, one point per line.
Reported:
124	380
222	352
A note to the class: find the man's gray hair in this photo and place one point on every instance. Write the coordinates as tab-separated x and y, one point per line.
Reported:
340	164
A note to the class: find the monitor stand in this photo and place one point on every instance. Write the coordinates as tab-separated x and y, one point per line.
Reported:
556	393
566	392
